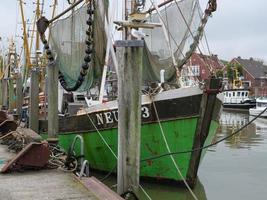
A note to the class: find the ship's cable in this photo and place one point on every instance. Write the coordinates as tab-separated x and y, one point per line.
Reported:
100	135
207	146
105	142
169	150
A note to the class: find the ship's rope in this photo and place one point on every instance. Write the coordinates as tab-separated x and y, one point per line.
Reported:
100	135
207	146
113	153
59	160
168	148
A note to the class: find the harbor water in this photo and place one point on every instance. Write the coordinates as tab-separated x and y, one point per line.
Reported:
235	169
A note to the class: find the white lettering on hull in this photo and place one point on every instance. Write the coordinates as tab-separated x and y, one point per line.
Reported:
112	116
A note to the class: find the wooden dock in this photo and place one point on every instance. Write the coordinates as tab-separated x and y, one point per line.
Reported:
49	185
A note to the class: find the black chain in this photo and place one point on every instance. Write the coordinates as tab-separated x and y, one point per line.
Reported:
88	52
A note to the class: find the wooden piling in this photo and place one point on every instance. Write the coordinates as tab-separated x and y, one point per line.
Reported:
34	100
206	110
11	96
5	92
130	53
19	95
1	94
52	79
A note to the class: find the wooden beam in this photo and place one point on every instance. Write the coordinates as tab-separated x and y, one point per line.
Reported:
5	92
1	93
34	101
206	113
11	96
19	95
130	54
52	83
130	24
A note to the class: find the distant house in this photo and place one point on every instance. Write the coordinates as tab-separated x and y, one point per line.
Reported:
201	67
254	75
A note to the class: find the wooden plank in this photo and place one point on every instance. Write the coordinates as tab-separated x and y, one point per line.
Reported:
100	190
137	24
40	185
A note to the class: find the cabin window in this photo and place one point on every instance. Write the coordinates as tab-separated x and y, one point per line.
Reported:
238	94
226	94
80	98
229	94
243	94
233	94
246	93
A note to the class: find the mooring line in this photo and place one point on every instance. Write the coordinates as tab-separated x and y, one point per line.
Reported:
168	148
103	139
207	146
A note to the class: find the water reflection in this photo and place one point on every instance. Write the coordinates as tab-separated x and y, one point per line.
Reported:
158	191
236	168
168	192
252	135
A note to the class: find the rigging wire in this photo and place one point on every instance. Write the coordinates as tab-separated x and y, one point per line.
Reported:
190	31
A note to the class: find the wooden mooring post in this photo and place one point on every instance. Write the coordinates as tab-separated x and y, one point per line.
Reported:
5	92
11	96
208	104
19	95
130	54
34	100
1	93
52	93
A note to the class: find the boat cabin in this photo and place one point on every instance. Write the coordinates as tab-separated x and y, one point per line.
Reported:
261	102
235	96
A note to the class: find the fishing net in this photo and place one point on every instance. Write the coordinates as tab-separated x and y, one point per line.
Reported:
68	41
182	20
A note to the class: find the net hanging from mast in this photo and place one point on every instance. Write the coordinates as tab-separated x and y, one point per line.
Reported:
68	37
180	26
181	20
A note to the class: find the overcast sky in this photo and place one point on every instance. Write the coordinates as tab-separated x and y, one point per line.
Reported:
238	28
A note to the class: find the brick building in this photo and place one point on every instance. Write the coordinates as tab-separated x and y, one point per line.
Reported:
201	67
254	75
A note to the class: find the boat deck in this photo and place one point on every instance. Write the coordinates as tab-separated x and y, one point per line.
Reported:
49	185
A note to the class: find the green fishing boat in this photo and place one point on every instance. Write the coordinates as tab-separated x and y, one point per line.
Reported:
177	121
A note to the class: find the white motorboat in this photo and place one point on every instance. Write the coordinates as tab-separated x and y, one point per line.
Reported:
261	104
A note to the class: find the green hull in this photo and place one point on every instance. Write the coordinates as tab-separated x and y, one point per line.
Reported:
180	135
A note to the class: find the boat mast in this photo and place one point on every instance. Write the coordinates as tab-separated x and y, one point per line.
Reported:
37	44
25	43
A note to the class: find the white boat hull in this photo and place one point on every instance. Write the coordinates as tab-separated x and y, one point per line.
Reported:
257	111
